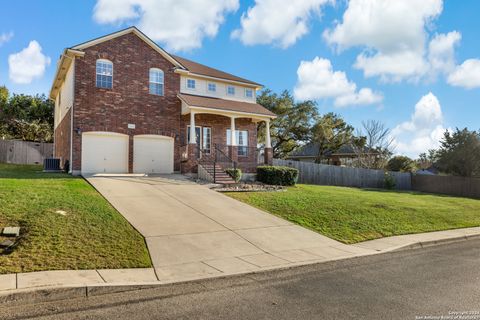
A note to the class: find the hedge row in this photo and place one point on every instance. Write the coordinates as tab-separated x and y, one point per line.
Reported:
283	176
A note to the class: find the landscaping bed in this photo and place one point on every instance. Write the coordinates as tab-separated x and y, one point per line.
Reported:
249	187
65	224
353	215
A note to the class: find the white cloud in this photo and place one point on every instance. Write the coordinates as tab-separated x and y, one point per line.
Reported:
441	52
28	64
466	75
393	35
424	130
278	22
5	37
318	80
180	25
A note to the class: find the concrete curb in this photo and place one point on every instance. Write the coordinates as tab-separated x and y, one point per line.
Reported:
34	295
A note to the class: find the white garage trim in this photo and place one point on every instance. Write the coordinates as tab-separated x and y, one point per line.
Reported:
104	152
153	154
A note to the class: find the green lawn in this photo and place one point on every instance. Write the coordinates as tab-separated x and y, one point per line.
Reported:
352	215
92	234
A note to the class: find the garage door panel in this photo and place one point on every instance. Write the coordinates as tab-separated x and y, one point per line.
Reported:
153	154
104	153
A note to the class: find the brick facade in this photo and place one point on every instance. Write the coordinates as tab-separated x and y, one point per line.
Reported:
129	102
62	139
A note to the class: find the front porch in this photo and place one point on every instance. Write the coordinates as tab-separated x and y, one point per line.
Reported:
209	141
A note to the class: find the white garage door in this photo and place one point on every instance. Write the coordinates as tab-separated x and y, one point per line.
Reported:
104	152
152	154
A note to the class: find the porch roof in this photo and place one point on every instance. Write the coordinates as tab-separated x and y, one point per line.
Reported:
229	106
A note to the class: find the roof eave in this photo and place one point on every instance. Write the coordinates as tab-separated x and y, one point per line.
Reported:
66	59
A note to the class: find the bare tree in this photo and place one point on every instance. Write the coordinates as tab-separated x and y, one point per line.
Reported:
378	147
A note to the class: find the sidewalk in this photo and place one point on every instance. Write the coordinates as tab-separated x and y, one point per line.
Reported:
75	283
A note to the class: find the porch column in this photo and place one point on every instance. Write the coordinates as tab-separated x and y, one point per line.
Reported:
233	150
268	153
268	143
193	135
233	138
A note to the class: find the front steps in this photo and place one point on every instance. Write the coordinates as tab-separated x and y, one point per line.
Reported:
221	176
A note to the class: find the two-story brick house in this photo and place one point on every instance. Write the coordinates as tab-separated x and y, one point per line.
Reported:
125	105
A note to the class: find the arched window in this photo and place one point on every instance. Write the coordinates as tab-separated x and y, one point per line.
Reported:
156	81
104	74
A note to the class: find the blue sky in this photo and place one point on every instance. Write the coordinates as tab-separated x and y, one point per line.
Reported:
412	64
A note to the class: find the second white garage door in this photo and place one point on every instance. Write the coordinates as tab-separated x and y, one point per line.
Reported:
152	154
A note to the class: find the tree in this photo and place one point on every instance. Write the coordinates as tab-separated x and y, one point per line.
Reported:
330	133
26	117
459	153
378	145
293	124
427	160
402	164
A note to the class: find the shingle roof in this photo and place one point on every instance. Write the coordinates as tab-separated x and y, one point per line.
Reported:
222	104
210	72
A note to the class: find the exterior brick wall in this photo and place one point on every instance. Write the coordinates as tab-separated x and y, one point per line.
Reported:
129	101
62	139
219	125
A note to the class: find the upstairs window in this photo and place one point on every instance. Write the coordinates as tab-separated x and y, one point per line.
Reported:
191	84
212	87
104	74
231	90
248	93
156	81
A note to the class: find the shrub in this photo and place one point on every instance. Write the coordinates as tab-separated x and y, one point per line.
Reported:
236	174
389	181
283	176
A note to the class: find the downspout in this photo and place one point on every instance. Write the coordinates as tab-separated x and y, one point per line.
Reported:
70	169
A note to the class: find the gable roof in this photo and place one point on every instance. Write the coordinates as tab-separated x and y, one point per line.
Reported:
138	33
204	70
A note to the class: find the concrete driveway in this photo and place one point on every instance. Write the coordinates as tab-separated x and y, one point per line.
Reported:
193	232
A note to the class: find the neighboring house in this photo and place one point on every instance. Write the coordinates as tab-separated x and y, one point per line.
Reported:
345	156
124	105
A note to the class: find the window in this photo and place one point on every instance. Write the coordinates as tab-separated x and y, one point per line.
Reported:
231	90
104	74
156	81
207	140
212	87
248	93
191	84
241	137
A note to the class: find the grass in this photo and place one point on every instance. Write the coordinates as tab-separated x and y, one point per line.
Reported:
352	215
91	235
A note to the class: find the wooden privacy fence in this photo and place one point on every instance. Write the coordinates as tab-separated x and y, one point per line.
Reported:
321	174
449	185
24	152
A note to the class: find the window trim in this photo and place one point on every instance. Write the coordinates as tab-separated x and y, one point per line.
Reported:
251	90
228	93
96	73
208	87
246	145
194	84
157	83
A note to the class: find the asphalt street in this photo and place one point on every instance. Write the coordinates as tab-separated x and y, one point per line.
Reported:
428	283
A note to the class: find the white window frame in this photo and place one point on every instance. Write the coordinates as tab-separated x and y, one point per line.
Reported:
162	83
211	84
228	91
237	139
205	141
194	84
249	90
103	74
